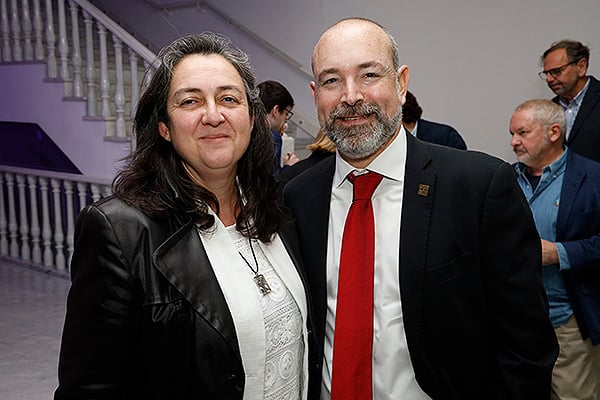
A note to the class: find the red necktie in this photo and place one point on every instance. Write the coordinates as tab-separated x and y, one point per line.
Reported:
353	337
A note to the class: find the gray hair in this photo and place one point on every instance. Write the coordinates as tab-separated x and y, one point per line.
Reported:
545	112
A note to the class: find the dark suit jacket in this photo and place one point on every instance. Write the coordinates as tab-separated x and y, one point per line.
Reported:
585	134
578	228
146	317
315	157
443	134
474	307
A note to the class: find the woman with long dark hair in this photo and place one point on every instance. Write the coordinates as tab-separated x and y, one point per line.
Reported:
185	281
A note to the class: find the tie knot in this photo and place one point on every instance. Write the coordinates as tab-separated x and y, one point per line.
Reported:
364	185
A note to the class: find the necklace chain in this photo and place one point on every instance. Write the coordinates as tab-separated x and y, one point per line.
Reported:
253	256
259	279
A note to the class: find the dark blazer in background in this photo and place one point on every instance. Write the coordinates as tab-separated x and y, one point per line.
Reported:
474	307
578	229
584	138
443	134
287	174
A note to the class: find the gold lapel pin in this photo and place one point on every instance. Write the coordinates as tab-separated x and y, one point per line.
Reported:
423	190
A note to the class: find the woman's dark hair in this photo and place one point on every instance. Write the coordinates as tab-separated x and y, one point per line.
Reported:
155	179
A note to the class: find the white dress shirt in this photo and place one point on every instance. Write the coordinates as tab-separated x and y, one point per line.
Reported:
393	374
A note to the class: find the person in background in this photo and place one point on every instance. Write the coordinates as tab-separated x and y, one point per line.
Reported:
183	279
278	103
565	66
427	285
322	147
433	132
563	190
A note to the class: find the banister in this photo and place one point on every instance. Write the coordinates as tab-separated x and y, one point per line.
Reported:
146	54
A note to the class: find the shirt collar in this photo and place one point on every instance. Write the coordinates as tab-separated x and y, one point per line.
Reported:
556	167
414	130
390	163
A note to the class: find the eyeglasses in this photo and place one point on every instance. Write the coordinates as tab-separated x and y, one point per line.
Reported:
289	115
555	72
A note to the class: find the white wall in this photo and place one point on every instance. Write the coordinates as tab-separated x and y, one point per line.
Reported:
471	61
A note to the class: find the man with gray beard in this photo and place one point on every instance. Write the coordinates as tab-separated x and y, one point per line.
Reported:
423	262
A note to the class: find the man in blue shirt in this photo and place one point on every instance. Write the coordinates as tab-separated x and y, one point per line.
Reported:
563	191
278	103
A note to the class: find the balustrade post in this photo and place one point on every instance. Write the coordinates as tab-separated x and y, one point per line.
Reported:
3	220
82	193
27	31
15	25
70	219
6	53
147	74
23	223
104	82
107	190
52	66
90	68
46	230
77	80
95	188
119	89
13	233
63	49
38	28
59	237
133	67
36	251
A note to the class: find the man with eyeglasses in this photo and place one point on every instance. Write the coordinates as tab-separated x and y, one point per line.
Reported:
279	103
565	66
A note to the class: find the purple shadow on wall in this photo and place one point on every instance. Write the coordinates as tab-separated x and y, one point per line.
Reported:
26	145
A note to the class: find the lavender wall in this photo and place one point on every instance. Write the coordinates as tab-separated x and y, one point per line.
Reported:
27	98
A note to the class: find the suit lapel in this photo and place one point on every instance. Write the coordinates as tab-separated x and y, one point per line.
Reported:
571	183
184	262
417	202
591	98
311	211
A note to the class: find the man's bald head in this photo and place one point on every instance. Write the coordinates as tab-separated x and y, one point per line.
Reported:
364	26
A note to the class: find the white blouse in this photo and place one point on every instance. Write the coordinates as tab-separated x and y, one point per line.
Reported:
271	328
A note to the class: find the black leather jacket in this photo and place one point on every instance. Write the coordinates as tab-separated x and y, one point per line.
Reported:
146	318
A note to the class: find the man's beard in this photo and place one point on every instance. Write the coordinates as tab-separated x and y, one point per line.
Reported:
361	141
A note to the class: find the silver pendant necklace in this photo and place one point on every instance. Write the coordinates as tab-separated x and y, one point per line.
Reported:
259	279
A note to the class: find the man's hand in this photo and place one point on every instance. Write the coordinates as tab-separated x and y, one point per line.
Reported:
290	159
549	253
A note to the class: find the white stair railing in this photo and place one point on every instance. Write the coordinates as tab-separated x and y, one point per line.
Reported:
71	41
38	210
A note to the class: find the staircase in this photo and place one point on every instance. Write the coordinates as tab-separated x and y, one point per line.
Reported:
68	68
96	63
